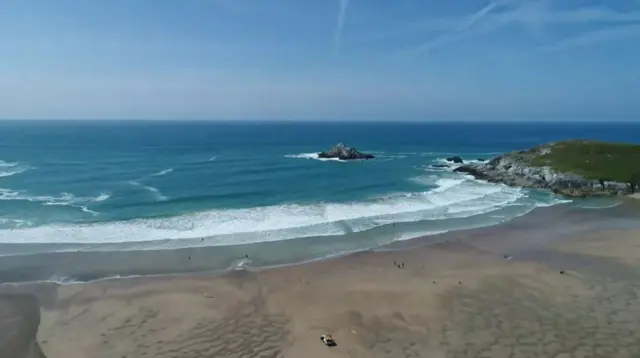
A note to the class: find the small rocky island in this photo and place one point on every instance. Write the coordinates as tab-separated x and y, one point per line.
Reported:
343	152
575	168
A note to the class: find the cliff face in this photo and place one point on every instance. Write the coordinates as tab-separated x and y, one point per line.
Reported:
517	169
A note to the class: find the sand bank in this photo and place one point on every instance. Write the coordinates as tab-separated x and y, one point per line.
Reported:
506	292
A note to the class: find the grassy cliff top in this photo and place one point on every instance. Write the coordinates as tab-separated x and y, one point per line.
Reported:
591	159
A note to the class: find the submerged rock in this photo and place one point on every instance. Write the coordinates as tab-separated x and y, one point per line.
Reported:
343	152
455	159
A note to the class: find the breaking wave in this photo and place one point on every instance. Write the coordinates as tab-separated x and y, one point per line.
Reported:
313	156
451	199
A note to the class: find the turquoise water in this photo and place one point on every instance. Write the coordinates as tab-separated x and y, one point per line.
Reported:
113	186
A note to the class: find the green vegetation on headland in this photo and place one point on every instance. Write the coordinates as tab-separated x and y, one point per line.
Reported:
574	168
602	161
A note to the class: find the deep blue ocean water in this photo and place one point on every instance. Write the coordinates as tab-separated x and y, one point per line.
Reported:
130	185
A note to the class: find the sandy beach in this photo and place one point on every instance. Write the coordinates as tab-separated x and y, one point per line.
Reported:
488	293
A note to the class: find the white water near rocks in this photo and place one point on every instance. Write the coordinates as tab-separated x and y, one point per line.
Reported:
231	189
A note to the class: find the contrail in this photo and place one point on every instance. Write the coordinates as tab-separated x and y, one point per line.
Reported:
458	32
342	15
477	16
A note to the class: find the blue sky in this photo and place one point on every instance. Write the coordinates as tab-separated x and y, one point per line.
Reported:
320	59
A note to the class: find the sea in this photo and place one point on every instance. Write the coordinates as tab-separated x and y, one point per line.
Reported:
235	193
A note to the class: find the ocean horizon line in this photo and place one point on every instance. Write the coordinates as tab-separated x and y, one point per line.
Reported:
320	121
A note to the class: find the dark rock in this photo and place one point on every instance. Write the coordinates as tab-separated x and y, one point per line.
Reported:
343	152
455	159
472	170
439	166
480	160
515	169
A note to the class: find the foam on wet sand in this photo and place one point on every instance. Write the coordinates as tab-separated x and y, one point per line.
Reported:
459	298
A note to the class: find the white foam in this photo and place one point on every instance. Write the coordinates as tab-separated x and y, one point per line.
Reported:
4	164
62	280
553	202
452	199
12	171
598	207
314	156
446	184
15	222
153	190
426	180
212	158
8	194
451	165
68	280
8	169
162	172
102	197
63	199
412	235
87	210
241	264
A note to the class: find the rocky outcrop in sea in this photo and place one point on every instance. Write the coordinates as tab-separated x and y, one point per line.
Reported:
343	152
515	169
455	159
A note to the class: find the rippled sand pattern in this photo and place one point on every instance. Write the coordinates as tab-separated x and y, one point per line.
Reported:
248	332
507	321
447	302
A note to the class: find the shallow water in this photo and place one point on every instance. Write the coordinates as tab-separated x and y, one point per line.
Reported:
89	189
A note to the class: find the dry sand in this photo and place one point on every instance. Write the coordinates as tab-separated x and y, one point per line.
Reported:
449	300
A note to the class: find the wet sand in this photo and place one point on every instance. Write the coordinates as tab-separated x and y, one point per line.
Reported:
521	290
19	320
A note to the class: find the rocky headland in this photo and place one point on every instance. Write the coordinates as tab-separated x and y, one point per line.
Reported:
576	168
343	152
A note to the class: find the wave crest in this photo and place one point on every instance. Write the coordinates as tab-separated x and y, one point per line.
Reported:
8	169
162	172
151	189
451	199
63	199
4	164
313	156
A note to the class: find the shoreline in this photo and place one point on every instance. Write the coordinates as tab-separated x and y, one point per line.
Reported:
572	168
559	220
564	280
